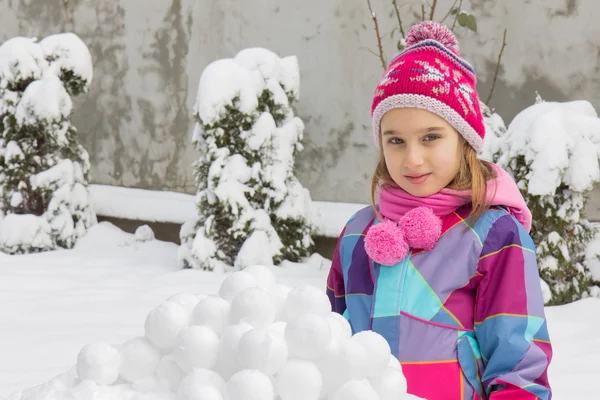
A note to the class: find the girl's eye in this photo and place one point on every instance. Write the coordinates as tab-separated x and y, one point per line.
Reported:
430	138
395	140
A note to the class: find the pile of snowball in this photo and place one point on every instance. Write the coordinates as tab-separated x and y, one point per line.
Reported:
254	340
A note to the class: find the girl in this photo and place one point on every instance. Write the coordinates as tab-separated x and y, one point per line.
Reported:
444	267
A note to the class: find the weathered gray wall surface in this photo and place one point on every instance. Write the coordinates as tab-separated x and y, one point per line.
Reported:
148	56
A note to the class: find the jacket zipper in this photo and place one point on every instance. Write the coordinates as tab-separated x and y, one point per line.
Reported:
401	290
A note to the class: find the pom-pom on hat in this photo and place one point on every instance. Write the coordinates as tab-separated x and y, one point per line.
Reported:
430	74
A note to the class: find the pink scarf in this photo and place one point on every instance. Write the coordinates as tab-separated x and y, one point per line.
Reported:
502	191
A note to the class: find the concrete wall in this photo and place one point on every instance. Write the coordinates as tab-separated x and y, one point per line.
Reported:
148	56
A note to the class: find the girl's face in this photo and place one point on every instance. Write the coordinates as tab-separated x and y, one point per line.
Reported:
422	151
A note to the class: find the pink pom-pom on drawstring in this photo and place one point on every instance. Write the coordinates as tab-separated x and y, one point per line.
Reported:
432	30
385	243
422	228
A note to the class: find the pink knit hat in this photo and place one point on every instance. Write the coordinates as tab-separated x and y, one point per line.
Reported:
430	74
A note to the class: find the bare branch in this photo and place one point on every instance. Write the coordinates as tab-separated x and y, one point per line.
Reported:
457	12
381	55
395	3
372	52
432	10
422	12
497	67
449	12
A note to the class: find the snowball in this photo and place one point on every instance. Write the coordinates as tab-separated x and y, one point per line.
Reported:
164	323
378	350
356	390
264	275
169	373
394	363
262	350
197	347
250	384
299	380
99	362
278	328
236	283
390	384
147	385
308	336
342	363
201	392
187	300
340	328
307	299
139	359
212	312
333	371
144	234
355	357
279	293
202	384
228	362
201	296
254	306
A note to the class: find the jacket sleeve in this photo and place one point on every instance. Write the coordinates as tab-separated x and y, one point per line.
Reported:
510	325
335	281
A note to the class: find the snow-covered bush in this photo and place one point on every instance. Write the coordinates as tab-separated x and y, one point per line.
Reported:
246	342
43	169
494	131
252	209
552	151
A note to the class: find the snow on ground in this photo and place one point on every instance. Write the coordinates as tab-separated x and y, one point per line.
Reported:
257	339
162	206
53	304
575	334
143	205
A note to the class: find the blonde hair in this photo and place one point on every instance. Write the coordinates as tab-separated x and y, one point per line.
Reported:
473	174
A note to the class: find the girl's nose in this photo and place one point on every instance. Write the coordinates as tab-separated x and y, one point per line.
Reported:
414	157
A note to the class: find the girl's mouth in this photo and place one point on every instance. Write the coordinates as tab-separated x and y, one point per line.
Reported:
417	179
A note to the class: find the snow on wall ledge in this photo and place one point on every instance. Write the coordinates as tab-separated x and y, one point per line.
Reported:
177	208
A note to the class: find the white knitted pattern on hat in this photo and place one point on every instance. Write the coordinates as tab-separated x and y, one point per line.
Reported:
430	104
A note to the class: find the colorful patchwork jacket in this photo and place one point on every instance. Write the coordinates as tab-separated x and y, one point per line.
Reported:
466	319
